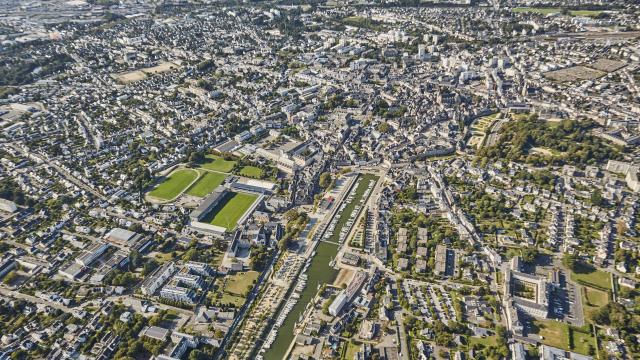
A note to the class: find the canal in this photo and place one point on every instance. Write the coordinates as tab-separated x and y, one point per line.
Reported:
319	272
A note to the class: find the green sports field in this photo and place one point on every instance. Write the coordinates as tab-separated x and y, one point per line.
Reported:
543	11
216	163
230	209
251	171
205	185
173	185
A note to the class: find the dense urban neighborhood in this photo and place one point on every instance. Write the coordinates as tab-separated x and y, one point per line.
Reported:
320	179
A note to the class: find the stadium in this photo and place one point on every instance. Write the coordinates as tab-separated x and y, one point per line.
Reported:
228	206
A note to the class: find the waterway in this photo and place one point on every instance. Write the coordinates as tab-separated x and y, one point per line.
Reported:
319	272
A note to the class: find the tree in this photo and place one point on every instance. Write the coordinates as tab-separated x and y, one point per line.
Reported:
569	260
10	277
291	215
149	267
621	227
190	255
19	354
325	180
596	198
135	227
283	244
135	259
409	193
612	314
196	157
383	127
197	355
529	254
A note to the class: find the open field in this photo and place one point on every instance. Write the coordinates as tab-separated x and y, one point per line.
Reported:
591	277
607	65
251	171
206	184
554	333
216	163
561	335
131	76
237	284
141	74
237	301
344	276
581	341
351	350
173	185
574	73
160	68
592	300
164	257
230	209
363	22
545	151
486	341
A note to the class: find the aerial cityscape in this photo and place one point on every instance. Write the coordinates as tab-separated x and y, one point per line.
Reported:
320	179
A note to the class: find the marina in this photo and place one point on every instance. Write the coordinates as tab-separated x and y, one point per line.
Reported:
318	269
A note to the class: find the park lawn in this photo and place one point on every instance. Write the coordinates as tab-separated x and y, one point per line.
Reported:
363	22
483	123
581	341
237	301
252	172
586	275
588	13
237	284
592	300
206	184
486	341
351	351
554	333
216	163
230	209
543	11
172	186
355	19
163	257
217	259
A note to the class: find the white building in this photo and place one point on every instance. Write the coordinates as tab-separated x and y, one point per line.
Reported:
8	206
338	303
157	278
